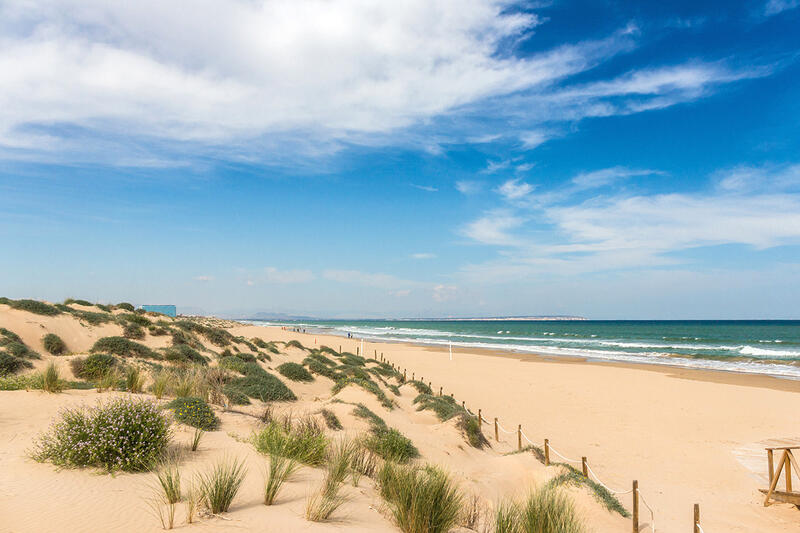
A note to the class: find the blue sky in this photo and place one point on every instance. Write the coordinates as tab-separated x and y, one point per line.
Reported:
420	158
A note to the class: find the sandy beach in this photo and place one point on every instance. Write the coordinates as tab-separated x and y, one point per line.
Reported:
687	436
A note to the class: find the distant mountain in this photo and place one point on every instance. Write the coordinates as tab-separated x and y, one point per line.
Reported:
277	316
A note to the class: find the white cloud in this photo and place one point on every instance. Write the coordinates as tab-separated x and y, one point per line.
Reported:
608	176
515	189
493	228
273	275
468	187
204	278
773	7
532	139
757	207
496	166
426	188
423	255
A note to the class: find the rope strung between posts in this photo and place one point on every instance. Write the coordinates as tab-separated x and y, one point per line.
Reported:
526	438
504	430
700	528
652	513
470	412
567	459
612	491
485	420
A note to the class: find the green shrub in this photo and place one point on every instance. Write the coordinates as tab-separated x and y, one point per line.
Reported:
123	347
331	420
391	445
89	317
367	385
321	358
194	412
34	306
133	318
18	349
472	430
445	407
134	380
217	337
572	476
295	372
246	357
93	367
106	308
132	331
183	353
220	486
157	331
232	362
362	411
421	387
24	382
234	395
353	360
422	500
7	336
295	344
79	302
264	387
315	367
53	344
124	434
11	365
126	306
305	443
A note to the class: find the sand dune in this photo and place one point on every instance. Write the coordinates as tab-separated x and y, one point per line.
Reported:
676	433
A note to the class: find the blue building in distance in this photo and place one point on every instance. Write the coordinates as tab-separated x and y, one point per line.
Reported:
168	310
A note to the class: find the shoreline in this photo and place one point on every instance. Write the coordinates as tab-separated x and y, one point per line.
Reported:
687	435
711	375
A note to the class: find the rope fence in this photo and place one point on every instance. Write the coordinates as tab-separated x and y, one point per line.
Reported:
588	472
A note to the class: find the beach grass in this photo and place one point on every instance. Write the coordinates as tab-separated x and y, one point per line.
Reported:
295	372
304	442
221	484
54	344
279	470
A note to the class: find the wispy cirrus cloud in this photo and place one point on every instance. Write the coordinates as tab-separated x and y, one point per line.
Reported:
756	207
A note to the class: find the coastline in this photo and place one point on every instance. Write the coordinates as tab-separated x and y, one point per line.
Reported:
688	436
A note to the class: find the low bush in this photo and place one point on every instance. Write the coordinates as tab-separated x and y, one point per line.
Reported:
572	476
183	353
331	420
295	372
362	411
445	407
123	347
133	318
93	367
157	331
261	385
93	319
316	367
194	412
126	306
34	306
471	428
132	331
53	344
295	344
220	486
322	359
353	360
79	302
305	443
217	336
421	387
124	434
11	365
24	382
391	445
421	500
367	385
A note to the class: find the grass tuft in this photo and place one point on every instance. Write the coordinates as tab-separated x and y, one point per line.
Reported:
280	470
123	347
220	486
422	500
304	442
331	420
545	510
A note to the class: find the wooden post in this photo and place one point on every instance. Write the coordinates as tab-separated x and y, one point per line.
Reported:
412	376
480	418
462	405
787	466
440	391
770	467
430	384
519	437
376	354
635	506
404	374
696	517
546	452
496	434
583	467
340	349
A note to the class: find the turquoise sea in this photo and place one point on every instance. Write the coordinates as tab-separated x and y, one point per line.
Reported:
757	346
